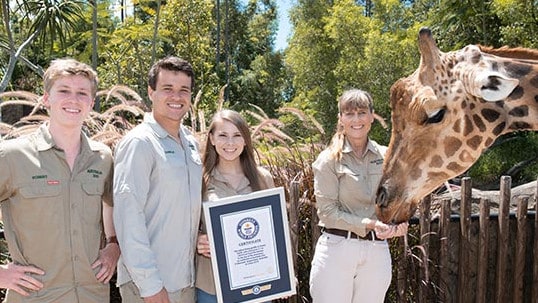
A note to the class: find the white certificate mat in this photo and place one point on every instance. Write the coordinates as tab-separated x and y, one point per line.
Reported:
250	247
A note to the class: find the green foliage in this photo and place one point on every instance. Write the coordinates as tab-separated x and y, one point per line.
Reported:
514	154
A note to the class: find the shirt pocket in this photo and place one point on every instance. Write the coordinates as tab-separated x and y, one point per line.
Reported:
39	208
349	179
92	197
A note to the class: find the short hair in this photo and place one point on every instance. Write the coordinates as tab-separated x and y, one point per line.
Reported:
65	67
171	63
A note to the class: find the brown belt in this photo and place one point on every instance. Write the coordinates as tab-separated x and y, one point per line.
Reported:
351	235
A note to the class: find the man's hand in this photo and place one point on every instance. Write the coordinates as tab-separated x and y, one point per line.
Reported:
108	259
202	245
160	297
15	277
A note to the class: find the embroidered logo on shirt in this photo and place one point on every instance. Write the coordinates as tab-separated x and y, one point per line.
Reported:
95	173
378	161
39	177
169	152
53	182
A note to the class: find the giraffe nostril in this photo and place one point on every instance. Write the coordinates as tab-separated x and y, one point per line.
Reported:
381	197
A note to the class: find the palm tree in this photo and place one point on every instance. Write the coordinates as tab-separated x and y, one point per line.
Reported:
50	20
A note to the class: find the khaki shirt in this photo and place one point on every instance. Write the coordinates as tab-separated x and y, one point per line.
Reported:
52	215
157	206
345	190
219	188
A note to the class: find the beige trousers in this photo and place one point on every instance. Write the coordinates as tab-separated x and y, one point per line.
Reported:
129	293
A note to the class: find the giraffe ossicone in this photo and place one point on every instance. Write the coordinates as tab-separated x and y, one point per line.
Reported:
447	113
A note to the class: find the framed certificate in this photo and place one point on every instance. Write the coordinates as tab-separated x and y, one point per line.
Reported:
250	247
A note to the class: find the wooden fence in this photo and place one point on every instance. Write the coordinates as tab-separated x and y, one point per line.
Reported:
486	255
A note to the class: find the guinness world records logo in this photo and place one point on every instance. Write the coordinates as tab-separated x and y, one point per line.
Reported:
247	228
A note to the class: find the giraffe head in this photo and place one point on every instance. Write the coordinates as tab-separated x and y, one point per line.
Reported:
446	113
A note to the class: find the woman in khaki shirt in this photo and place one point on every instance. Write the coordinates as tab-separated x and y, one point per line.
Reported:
229	168
352	260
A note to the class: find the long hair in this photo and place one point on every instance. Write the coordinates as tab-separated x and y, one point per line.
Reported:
247	159
350	100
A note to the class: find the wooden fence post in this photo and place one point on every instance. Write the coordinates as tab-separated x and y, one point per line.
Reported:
465	239
503	237
444	228
521	246
483	252
402	270
425	221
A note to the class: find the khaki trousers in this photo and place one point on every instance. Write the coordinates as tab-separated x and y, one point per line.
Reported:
130	294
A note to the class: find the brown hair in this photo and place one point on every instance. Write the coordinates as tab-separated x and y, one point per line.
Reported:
170	63
65	67
247	159
350	100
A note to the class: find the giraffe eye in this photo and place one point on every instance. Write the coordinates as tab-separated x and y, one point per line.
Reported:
438	117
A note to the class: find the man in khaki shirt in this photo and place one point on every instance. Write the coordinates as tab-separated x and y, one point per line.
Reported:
56	191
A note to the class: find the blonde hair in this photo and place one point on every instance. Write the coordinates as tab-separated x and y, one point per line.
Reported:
350	100
65	67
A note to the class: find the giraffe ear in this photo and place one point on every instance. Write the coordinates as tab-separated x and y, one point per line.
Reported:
493	86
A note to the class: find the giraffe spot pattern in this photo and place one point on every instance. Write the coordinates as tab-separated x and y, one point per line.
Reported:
490	115
468	127
474	142
456	127
455	167
517	70
472	106
452	145
479	123
499	128
465	156
520	125
437	161
520	111
489	141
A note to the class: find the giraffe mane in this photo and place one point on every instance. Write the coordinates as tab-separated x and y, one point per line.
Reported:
508	52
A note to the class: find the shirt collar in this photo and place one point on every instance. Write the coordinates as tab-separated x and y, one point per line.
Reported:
215	173
157	128
45	141
347	148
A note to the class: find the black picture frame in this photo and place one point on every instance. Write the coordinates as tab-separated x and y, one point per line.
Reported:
250	246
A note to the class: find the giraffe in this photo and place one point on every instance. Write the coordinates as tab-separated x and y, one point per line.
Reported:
447	113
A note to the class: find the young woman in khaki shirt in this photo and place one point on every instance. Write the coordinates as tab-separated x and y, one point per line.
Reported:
352	260
229	168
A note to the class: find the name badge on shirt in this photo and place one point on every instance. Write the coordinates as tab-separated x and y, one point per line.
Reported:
377	162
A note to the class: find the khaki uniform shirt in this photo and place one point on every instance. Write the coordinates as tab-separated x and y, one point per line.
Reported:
157	206
345	190
219	188
53	216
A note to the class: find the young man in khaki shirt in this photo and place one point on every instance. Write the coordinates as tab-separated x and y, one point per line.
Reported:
57	199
